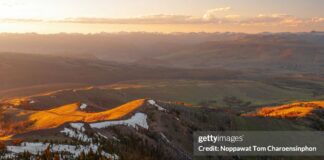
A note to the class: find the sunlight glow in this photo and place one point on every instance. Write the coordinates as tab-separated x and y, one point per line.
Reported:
48	16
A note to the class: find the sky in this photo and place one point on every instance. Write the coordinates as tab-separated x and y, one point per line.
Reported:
94	16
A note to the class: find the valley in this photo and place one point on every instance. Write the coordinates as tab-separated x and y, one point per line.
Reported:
110	117
82	99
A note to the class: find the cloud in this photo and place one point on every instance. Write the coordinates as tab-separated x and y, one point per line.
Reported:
274	19
213	13
317	20
150	19
19	20
210	17
11	3
219	9
259	20
232	16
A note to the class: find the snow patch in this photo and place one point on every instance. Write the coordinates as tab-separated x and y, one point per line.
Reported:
105	137
153	103
78	126
35	148
83	106
116	139
164	137
8	156
77	133
139	119
101	135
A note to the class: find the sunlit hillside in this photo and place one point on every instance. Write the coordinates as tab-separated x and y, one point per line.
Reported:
300	109
69	113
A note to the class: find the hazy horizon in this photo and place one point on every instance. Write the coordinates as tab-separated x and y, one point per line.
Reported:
164	33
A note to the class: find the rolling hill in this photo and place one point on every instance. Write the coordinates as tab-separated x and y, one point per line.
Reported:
23	73
133	130
294	110
256	54
280	52
52	118
142	96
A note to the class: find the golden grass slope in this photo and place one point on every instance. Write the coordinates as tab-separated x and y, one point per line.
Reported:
5	138
294	110
71	113
16	101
